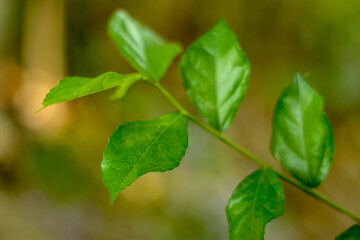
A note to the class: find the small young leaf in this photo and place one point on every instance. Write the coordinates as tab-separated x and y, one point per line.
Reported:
137	148
302	138
144	49
215	73
75	87
121	91
257	200
352	233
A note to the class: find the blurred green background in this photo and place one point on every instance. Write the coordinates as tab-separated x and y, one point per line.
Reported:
50	176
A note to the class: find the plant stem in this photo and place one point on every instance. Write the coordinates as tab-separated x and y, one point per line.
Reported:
318	196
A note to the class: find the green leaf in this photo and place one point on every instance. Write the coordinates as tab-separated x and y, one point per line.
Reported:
257	200
352	233
144	49
75	87
140	147
215	73
121	91
302	138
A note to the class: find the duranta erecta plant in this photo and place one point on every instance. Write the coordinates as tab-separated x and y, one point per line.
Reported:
215	74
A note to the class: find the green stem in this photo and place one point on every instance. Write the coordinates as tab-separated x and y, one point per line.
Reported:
318	196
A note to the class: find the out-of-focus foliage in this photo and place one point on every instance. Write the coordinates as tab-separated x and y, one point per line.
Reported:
41	41
123	88
352	233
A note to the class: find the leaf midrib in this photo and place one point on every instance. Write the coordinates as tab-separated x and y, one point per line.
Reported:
146	150
254	200
216	80
303	130
81	90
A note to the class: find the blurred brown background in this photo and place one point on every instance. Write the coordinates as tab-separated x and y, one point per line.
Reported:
50	177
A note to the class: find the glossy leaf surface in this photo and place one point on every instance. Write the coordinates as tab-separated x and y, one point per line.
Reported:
257	200
352	233
215	72
144	49
76	87
140	147
302	138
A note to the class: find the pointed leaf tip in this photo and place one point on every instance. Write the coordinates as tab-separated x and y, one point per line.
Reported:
302	138
215	74
75	87
40	109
